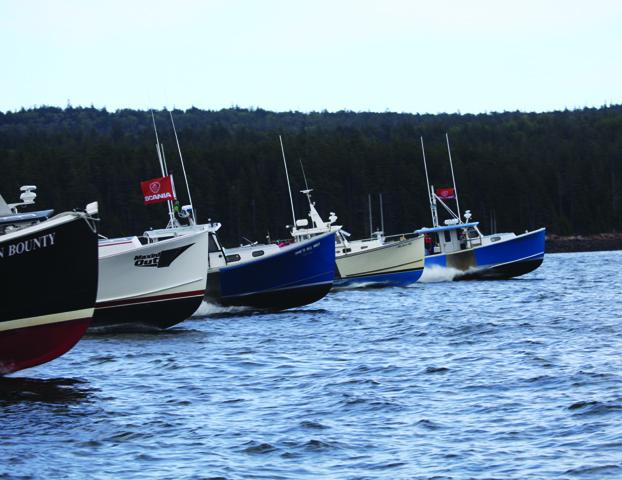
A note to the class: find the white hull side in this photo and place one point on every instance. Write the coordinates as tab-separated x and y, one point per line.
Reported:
179	268
393	257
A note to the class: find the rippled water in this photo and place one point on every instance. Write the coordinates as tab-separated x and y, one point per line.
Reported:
508	379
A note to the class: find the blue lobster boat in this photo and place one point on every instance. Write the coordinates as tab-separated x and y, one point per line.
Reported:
460	248
469	254
269	276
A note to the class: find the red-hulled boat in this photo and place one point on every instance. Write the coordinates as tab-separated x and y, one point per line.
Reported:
49	268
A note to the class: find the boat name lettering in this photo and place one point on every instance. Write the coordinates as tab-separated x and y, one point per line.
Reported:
28	245
152	260
307	249
161	259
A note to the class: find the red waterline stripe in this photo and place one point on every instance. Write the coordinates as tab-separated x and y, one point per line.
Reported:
156	298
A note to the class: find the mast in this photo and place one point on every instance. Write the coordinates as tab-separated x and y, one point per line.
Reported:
183	168
172	222
381	213
162	160
289	188
430	189
452	175
371	226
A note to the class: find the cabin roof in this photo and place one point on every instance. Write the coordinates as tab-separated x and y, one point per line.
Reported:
443	228
26	217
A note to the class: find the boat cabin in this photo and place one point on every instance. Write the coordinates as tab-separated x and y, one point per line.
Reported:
452	237
11	219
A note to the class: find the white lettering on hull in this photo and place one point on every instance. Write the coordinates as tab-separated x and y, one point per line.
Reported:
26	246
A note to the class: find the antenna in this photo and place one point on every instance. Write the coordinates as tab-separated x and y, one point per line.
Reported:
291	201
452	175
303	174
183	168
381	213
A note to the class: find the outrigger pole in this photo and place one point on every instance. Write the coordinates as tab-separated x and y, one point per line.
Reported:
291	201
451	165
183	168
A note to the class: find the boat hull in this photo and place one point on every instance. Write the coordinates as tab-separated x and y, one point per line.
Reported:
151	287
297	275
393	264
506	259
47	300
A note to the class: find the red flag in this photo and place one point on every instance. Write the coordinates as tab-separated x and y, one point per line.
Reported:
158	190
446	193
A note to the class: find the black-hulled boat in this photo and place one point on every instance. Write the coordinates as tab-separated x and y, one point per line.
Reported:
49	268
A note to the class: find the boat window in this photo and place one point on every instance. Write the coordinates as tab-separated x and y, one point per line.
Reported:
473	233
495	239
447	236
212	245
233	258
257	253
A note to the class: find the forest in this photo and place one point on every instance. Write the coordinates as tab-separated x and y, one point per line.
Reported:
515	171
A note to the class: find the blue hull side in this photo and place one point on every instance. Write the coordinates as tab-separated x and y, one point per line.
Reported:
386	279
298	275
506	259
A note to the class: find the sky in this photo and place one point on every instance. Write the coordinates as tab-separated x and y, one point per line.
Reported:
468	56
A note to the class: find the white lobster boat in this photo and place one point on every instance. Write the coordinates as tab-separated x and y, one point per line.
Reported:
149	282
382	260
159	279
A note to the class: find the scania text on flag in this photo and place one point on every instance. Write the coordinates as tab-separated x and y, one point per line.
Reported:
157	190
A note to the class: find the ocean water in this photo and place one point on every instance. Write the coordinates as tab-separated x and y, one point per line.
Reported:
516	379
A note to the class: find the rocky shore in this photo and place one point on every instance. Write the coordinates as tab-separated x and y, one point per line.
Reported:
583	243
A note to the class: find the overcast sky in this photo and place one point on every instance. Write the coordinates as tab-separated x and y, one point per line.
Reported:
361	55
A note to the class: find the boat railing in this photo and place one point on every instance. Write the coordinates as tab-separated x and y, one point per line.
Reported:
401	236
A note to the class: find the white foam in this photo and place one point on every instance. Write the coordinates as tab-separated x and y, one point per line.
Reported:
436	273
206	309
357	285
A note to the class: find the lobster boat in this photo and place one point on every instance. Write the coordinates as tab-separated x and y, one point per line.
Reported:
49	268
458	247
150	282
380	260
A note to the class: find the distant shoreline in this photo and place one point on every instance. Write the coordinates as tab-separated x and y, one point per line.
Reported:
583	243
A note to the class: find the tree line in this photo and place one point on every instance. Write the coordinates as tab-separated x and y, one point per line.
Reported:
515	171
